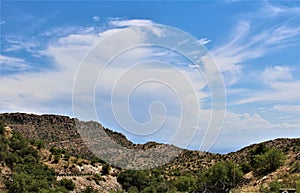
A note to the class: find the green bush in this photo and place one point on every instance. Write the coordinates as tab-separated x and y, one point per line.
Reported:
269	161
89	189
137	178
67	156
56	158
2	130
221	177
67	183
17	142
298	186
28	174
106	169
95	160
275	186
55	151
149	189
184	183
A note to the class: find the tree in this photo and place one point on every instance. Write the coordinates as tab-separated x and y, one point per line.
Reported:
269	161
2	129
89	189
221	177
67	183
184	183
106	169
137	178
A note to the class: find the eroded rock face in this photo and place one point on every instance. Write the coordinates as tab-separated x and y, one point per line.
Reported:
54	130
90	139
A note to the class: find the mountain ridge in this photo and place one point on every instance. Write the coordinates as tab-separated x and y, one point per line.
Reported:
68	123
62	132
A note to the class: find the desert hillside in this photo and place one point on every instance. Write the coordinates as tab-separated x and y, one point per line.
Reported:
46	153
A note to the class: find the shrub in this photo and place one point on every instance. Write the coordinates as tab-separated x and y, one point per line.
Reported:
55	151
274	186
133	189
97	160
56	158
29	175
298	186
2	130
67	156
89	189
269	161
106	169
137	178
221	177
67	183
184	183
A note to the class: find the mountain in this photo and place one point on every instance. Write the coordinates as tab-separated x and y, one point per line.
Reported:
173	167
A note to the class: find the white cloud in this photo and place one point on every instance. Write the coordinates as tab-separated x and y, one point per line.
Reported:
280	86
250	41
242	129
288	108
50	91
96	18
12	64
279	91
234	122
128	23
204	41
271	10
276	73
19	44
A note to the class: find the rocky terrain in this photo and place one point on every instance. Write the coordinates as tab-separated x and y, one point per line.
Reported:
79	143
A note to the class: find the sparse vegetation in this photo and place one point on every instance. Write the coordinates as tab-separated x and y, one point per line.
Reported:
28	174
267	166
269	161
67	183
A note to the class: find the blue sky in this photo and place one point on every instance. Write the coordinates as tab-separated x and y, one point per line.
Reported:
255	45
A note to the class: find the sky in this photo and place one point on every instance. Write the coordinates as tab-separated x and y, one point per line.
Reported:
122	63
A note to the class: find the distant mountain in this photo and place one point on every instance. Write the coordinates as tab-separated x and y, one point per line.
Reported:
78	138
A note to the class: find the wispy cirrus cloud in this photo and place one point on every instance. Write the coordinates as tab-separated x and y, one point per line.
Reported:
250	40
279	85
270	10
245	45
127	23
204	41
19	45
287	108
12	64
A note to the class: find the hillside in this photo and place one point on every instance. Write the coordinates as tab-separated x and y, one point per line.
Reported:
66	152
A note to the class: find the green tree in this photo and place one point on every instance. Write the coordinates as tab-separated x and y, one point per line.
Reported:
269	161
137	178
106	169
29	175
56	158
2	129
67	183
185	183
221	177
89	189
260	149
133	189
